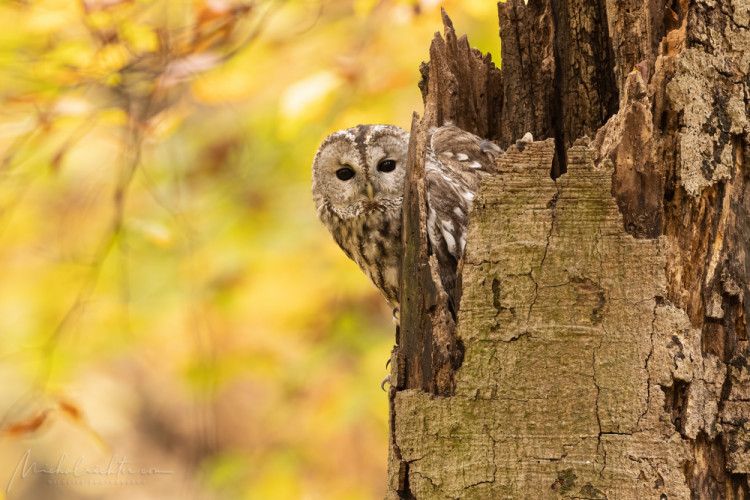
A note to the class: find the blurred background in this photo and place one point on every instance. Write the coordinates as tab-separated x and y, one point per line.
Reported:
174	321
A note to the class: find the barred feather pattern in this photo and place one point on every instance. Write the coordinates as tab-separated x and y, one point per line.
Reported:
373	241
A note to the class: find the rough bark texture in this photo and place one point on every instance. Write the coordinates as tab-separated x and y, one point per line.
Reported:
600	348
558	68
462	86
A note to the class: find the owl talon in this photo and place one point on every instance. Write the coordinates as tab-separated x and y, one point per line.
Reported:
387	363
387	380
396	315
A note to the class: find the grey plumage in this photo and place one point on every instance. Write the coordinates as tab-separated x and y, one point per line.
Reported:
363	212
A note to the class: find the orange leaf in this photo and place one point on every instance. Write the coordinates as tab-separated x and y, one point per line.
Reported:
27	426
71	410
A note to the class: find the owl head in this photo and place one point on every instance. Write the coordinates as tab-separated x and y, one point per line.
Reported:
360	170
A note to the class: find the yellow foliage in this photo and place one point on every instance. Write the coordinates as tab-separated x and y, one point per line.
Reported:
306	101
109	59
168	294
140	37
48	16
362	8
227	83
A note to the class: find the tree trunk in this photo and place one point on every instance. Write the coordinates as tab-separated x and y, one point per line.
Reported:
600	348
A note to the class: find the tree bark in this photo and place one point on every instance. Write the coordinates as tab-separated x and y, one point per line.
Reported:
600	347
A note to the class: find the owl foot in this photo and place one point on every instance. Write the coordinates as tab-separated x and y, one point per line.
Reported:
386	380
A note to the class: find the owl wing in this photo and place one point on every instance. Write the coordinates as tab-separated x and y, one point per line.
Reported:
464	151
454	164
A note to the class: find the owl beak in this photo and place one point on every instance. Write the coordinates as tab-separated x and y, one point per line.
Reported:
370	191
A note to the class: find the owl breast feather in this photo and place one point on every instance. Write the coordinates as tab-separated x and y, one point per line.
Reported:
373	241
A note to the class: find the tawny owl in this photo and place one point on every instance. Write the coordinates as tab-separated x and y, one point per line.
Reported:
358	188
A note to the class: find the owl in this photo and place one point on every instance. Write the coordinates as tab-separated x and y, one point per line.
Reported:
358	189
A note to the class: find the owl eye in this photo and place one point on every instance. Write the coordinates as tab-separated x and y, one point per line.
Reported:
386	166
345	173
